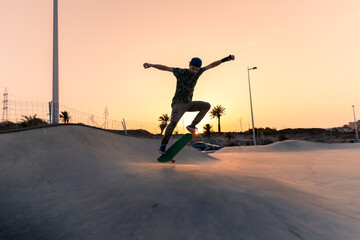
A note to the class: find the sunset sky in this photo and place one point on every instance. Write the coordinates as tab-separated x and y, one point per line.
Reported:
307	54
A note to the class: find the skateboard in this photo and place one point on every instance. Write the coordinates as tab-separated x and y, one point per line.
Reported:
175	148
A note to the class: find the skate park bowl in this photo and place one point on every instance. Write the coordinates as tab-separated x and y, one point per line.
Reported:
78	182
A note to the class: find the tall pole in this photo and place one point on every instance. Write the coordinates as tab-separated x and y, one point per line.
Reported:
241	126
5	106
252	115
357	135
55	101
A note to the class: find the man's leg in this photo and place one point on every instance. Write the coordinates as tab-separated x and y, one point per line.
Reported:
178	110
202	107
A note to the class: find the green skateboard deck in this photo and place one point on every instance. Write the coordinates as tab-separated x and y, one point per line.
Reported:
175	148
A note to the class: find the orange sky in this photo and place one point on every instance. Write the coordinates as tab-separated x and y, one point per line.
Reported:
307	54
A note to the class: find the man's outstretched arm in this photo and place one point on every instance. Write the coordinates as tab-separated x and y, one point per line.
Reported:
217	63
158	66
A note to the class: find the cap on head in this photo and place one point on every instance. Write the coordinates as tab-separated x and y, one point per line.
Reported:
196	62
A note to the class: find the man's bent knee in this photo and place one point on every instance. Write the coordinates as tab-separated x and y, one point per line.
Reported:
208	106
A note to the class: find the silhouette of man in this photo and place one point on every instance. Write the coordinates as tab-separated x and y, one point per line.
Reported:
182	100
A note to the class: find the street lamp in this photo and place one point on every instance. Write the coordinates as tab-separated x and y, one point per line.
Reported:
55	101
357	135
252	115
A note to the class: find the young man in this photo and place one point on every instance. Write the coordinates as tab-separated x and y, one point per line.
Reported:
182	101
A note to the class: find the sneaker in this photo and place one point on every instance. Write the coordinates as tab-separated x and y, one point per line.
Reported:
191	128
162	149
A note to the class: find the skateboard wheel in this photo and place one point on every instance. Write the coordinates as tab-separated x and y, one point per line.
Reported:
172	160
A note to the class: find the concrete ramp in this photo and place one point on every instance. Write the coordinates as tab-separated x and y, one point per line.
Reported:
84	143
294	146
74	182
300	146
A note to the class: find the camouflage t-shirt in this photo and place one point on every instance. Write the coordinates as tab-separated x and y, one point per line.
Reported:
185	84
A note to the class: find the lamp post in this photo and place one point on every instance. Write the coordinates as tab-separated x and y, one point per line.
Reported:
55	101
357	135
252	115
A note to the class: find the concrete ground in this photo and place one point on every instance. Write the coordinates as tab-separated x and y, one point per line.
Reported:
76	182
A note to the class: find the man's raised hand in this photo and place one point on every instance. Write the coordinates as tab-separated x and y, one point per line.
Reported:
147	65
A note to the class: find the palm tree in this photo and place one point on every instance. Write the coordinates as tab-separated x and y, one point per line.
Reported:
217	112
164	119
208	129
32	121
65	117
